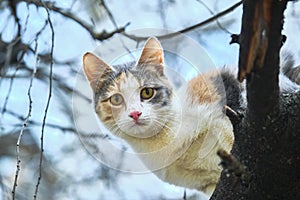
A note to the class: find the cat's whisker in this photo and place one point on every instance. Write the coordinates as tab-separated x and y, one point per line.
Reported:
169	118
163	125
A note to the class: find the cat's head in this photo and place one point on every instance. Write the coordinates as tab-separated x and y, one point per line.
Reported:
135	98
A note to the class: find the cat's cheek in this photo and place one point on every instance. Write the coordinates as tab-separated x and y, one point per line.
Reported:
105	113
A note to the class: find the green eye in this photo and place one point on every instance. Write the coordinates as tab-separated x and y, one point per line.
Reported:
116	99
147	93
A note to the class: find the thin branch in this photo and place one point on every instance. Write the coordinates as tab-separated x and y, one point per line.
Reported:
13	9
203	23
21	134
34	123
29	111
114	22
212	13
41	75
97	36
111	17
10	47
234	116
48	100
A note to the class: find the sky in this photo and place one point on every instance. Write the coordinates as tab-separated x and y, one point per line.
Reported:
71	42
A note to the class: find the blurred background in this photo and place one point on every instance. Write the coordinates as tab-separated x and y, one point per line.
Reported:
49	149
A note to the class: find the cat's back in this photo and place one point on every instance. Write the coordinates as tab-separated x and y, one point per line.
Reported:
218	86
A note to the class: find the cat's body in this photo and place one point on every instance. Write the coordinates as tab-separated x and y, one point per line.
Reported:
176	134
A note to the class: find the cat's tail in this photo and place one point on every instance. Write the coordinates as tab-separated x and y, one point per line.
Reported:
290	73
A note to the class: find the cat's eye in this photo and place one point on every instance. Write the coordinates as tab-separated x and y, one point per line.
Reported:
116	99
147	93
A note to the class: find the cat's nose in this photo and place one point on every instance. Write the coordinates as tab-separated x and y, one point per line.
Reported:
135	115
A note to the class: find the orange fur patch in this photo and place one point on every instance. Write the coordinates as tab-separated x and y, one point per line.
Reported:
202	90
104	112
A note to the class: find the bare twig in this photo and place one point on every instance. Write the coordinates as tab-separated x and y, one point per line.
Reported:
25	122
111	17
21	134
13	9
97	36
212	13
234	116
10	49
205	22
48	100
34	123
114	22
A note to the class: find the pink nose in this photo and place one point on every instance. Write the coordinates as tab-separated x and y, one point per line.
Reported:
135	115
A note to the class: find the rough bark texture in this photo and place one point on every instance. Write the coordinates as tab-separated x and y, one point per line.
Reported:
267	139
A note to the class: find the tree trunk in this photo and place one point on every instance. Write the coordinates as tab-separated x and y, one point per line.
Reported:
267	139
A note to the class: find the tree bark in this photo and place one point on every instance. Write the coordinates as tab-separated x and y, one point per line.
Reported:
267	139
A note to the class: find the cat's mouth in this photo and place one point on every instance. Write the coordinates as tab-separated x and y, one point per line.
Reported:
139	123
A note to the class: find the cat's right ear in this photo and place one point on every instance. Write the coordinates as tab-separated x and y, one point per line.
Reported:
94	68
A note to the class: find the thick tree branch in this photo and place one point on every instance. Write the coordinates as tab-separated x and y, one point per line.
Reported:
267	138
260	54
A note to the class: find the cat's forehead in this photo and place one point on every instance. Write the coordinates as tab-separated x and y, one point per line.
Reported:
125	83
128	81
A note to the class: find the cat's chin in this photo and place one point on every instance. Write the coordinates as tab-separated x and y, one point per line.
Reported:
141	130
141	134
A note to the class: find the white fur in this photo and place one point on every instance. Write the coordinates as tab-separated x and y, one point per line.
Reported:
185	154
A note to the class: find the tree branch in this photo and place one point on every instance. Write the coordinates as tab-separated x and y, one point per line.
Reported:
97	36
48	100
234	116
234	167
21	134
34	123
259	54
267	139
185	30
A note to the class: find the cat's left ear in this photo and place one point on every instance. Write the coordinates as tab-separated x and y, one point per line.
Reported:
95	68
152	53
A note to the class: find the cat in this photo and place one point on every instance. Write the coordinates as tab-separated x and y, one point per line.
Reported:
177	134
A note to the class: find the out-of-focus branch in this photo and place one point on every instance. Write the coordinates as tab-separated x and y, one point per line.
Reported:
13	8
110	15
11	82
97	36
34	123
188	29
114	22
212	13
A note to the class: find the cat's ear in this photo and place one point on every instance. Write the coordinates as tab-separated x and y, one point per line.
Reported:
152	53
94	68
